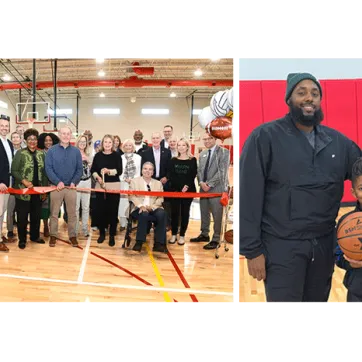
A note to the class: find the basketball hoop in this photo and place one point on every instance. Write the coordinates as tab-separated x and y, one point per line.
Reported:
31	122
192	137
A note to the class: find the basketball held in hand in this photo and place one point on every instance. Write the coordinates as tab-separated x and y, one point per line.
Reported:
349	236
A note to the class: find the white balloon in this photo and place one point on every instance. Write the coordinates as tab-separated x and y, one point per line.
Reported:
205	117
230	98
219	103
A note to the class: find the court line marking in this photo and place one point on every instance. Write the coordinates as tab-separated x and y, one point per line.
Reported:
181	276
85	258
157	272
118	286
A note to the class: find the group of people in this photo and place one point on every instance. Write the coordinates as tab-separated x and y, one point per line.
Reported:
292	174
29	160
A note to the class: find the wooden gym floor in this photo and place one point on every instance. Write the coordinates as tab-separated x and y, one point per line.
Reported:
253	291
97	272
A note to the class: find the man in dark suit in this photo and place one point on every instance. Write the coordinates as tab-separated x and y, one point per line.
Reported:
6	158
160	158
167	132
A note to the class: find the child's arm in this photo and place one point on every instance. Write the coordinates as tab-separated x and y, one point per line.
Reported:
340	260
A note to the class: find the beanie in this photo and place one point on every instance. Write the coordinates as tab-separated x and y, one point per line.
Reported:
295	78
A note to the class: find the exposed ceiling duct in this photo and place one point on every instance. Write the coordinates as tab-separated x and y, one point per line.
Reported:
132	82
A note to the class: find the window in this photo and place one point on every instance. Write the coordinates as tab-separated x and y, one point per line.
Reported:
3	105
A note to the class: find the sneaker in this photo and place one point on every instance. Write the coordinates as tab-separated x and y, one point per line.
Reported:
85	234
94	228
173	239
122	228
52	241
181	241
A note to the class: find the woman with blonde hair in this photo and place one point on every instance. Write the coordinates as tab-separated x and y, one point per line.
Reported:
106	169
83	197
181	176
131	169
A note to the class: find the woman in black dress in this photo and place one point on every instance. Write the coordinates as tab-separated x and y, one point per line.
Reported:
106	169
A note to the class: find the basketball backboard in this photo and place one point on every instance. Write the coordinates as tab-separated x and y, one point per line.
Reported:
33	112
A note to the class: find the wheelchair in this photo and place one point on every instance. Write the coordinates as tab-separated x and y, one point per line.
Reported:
130	227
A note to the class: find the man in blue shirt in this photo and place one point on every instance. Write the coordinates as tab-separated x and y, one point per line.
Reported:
63	165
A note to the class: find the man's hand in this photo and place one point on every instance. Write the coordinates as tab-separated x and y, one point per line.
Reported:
354	263
72	186
204	186
256	267
27	184
60	186
142	209
3	187
163	180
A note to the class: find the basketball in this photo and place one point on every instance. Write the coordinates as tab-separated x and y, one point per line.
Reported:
229	235
349	236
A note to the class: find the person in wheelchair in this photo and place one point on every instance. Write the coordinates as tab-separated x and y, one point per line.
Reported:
148	209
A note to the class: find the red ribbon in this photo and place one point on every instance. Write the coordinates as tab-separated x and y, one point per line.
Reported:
46	189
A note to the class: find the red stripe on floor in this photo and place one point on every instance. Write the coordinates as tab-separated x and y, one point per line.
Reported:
184	281
117	266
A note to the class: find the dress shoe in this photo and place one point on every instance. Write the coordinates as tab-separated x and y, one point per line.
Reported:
181	241
4	248
73	241
137	246
22	245
158	247
200	238
111	241
101	238
11	234
211	245
8	240
52	241
39	241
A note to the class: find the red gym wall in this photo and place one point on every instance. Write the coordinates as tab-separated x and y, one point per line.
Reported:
263	101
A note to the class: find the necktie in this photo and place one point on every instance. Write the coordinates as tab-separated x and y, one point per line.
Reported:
206	166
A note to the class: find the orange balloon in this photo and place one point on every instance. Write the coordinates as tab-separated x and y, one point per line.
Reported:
220	128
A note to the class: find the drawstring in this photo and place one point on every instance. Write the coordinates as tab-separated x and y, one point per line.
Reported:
314	243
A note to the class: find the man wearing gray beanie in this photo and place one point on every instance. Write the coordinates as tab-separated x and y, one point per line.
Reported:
292	173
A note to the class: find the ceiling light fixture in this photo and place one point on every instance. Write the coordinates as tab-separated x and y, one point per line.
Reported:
198	73
101	73
100	60
102	95
173	95
214	59
133	99
6	77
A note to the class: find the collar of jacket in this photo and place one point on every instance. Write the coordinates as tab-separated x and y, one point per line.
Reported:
321	137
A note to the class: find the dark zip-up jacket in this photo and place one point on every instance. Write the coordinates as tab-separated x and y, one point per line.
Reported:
288	189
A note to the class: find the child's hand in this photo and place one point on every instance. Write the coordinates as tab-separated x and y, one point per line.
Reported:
354	263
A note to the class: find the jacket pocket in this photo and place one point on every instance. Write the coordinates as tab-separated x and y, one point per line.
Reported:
314	202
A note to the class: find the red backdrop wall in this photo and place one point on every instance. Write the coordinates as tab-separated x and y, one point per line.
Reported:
263	101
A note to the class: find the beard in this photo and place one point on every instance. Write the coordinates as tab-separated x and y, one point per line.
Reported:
306	120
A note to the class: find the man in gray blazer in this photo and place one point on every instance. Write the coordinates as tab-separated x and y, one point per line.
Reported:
212	176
